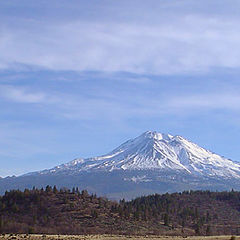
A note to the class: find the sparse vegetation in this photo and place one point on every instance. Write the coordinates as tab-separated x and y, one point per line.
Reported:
54	211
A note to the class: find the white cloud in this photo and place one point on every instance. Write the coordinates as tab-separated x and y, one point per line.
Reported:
207	101
183	43
21	94
120	106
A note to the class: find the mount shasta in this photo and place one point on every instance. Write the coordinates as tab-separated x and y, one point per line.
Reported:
150	163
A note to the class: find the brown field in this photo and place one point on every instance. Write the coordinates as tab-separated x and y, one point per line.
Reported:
110	237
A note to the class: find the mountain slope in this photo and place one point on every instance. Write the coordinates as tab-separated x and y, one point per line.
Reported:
150	163
156	151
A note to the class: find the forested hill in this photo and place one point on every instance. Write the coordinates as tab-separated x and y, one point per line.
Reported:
73	212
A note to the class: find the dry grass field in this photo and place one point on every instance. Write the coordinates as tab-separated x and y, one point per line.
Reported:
109	237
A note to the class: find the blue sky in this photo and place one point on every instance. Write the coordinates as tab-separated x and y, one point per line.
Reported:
78	78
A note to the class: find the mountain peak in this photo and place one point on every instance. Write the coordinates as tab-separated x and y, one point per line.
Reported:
156	135
156	162
157	152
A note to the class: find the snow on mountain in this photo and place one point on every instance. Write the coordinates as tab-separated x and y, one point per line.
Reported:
156	151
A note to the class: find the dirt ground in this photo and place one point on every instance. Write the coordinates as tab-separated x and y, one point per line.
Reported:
109	237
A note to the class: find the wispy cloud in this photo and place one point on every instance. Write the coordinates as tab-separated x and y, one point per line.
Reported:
121	105
184	43
21	94
223	101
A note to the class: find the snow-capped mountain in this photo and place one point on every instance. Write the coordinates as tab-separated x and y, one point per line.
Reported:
156	151
150	163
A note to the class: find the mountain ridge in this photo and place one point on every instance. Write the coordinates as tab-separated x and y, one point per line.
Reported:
150	163
156	151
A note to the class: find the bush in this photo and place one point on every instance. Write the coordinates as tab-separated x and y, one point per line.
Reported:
30	230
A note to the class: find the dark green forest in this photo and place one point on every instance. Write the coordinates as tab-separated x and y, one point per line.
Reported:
64	211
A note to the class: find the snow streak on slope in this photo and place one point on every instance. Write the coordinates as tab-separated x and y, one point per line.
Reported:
156	151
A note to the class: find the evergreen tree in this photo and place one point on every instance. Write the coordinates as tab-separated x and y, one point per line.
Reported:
208	230
55	189
166	219
197	229
94	213
48	189
1	224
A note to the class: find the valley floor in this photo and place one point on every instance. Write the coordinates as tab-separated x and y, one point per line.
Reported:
109	237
